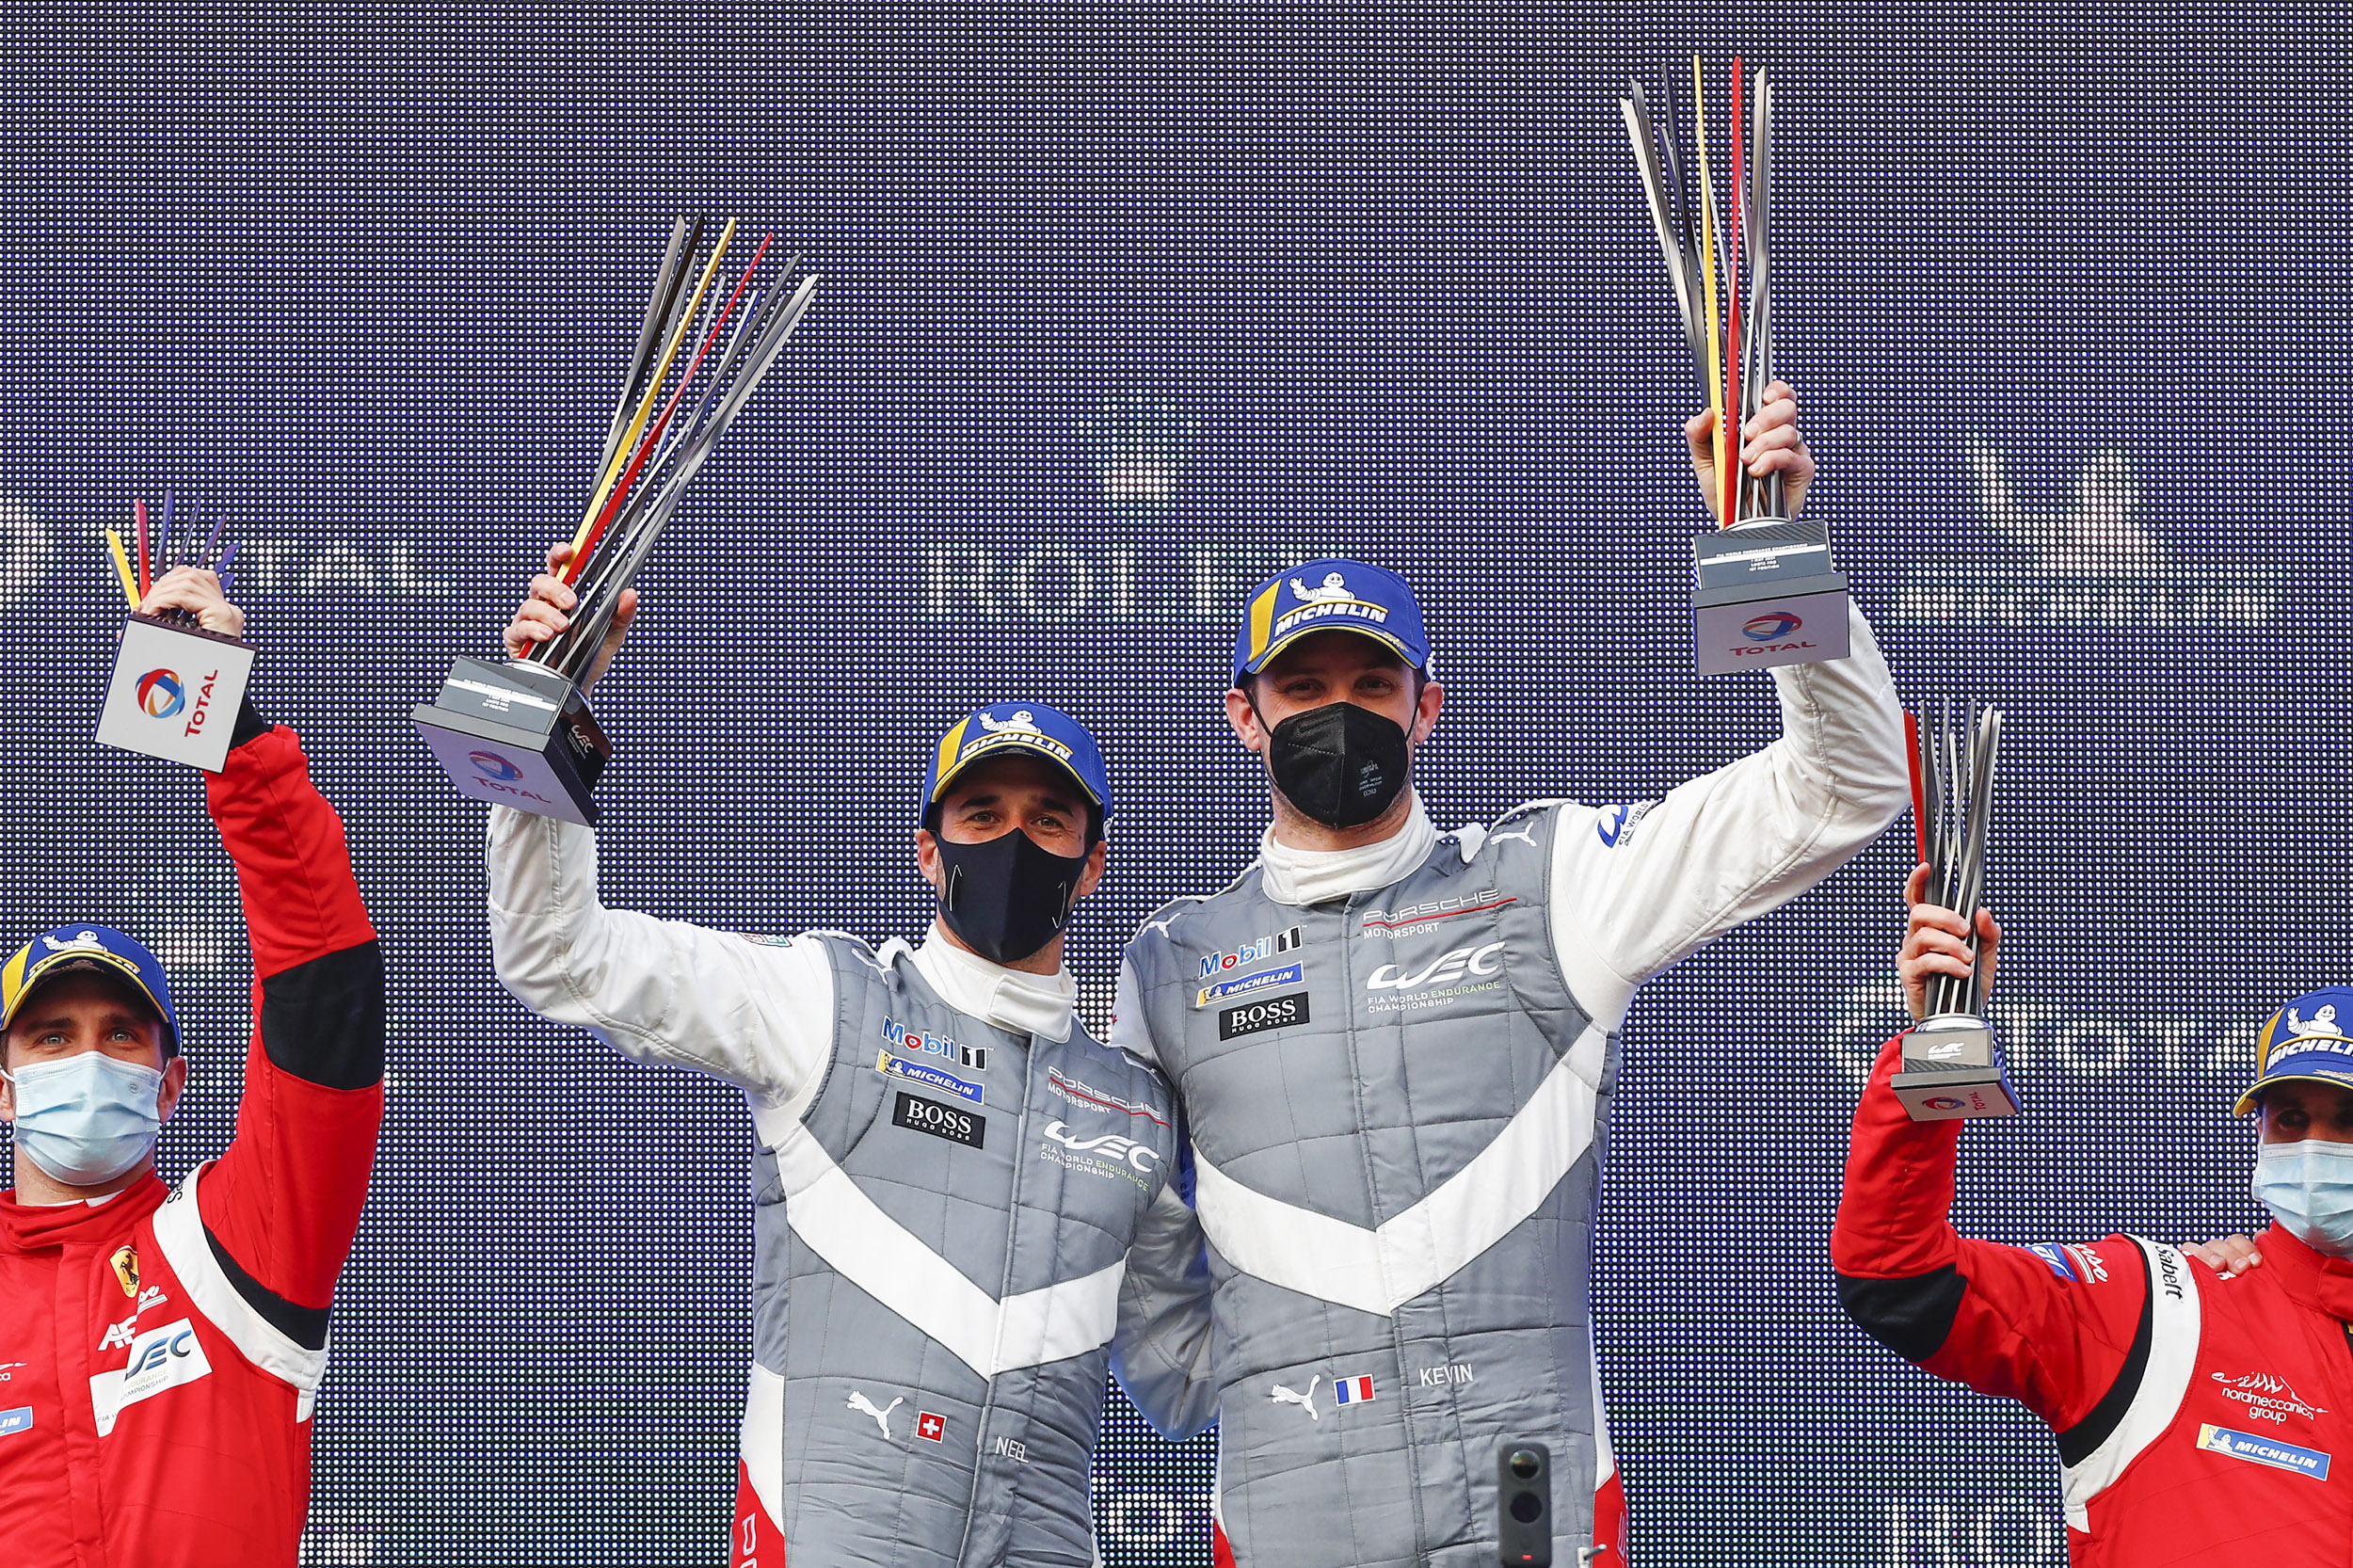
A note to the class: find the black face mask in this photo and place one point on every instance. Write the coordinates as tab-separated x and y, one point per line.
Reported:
1007	898
1341	764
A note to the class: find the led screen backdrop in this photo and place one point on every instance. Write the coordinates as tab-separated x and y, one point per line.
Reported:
1123	307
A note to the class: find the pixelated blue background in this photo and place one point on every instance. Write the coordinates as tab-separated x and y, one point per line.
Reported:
1123	306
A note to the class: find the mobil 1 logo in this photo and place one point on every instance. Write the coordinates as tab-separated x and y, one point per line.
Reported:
1252	1017
952	1122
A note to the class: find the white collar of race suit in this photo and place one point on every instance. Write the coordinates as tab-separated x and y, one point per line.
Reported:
1014	999
1305	877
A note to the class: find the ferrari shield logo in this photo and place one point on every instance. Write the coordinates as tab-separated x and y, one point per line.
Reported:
126	1262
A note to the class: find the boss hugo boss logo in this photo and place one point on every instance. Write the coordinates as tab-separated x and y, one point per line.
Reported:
952	1122
1253	1017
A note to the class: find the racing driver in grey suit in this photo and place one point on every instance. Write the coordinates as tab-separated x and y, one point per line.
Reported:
1393	1051
959	1196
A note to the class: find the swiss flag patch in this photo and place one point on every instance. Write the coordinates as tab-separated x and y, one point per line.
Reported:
929	1427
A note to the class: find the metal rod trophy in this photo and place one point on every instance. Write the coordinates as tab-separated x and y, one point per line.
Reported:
1952	1063
520	734
176	687
1765	592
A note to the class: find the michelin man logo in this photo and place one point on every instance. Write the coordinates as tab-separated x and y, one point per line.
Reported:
1335	587
86	942
1024	721
2322	1022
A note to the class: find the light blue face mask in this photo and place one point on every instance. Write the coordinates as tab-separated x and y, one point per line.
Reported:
85	1119
2308	1186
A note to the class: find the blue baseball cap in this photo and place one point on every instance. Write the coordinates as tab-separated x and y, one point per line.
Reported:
1026	728
2306	1040
1330	596
96	949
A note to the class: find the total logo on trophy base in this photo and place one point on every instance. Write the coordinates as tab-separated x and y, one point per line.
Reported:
176	687
519	733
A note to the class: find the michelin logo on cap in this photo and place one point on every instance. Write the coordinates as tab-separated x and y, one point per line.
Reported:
1044	732
1340	595
2305	1040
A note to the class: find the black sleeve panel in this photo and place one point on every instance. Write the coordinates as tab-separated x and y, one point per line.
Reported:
251	725
305	1325
2077	1443
323	1021
1910	1317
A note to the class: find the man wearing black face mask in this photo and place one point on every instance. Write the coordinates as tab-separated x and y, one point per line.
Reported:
966	1198
1394	1051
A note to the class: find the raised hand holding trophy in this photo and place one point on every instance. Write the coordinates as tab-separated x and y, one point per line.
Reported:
520	734
176	686
1952	1063
1764	592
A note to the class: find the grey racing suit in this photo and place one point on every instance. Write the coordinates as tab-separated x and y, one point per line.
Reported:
1395	1065
959	1199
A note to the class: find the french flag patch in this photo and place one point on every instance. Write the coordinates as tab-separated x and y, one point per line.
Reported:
1352	1391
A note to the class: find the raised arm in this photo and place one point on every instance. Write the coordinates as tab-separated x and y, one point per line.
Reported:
2050	1326
1637	887
283	1202
757	1015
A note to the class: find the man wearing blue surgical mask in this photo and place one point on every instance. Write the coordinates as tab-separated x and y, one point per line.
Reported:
965	1206
2199	1416
161	1345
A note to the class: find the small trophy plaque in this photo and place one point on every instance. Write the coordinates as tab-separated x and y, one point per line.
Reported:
176	687
1952	1063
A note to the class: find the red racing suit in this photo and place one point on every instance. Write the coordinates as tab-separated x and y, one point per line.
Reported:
2200	1417
159	1349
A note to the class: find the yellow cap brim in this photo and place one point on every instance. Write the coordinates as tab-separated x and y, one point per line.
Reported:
1281	643
79	958
2247	1101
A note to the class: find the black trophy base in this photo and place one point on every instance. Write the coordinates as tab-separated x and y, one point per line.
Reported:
519	735
1764	594
1953	1069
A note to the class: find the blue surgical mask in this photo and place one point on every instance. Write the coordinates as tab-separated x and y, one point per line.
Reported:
2308	1186
88	1118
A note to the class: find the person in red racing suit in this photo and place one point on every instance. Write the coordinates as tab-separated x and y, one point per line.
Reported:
2200	1417
160	1346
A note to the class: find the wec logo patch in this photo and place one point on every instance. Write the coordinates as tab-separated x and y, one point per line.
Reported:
162	1358
1444	970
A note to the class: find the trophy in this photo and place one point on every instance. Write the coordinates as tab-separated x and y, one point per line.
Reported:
520	734
176	687
1763	590
1952	1064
